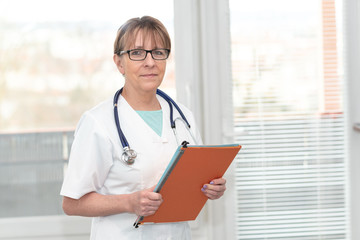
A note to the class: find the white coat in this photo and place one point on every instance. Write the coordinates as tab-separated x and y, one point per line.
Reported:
95	165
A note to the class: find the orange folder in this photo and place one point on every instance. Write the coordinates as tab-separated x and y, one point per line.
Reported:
180	185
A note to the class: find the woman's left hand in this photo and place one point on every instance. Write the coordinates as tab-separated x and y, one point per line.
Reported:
215	189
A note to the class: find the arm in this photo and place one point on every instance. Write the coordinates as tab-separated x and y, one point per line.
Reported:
215	189
142	203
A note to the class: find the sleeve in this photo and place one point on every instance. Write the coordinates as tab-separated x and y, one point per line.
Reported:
90	159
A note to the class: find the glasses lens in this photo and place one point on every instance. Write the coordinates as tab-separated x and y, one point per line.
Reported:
137	54
140	54
160	54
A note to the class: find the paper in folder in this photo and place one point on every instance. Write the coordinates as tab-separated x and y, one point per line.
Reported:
190	168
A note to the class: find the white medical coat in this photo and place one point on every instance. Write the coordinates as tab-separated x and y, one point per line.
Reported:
95	165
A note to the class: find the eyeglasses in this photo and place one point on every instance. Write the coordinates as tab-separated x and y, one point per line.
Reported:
140	54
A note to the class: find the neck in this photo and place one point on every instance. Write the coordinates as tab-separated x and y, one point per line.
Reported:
141	101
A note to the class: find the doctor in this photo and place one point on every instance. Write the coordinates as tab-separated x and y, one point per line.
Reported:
98	182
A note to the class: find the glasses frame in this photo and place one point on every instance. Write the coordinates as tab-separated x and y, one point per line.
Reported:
146	53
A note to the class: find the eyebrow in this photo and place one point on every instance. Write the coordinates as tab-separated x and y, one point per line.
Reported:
141	47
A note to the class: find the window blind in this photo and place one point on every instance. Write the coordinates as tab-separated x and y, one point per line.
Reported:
288	93
291	178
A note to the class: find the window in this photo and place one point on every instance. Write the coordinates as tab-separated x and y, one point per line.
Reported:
56	62
290	118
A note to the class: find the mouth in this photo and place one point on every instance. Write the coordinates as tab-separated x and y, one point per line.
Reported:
150	75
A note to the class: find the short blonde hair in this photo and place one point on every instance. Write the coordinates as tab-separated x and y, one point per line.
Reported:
150	27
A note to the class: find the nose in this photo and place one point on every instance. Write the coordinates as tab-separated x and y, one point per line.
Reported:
149	61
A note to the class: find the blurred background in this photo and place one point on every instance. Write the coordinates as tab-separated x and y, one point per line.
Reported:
278	77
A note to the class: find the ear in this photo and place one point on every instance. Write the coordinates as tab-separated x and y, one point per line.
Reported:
119	63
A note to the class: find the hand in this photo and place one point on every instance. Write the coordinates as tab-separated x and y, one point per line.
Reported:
145	202
215	189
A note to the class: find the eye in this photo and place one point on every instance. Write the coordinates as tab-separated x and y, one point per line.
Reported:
159	52
137	52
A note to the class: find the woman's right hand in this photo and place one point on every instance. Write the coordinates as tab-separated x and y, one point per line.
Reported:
145	202
93	204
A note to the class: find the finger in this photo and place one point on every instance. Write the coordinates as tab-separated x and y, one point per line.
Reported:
213	187
212	196
215	192
153	204
148	213
215	183
154	196
151	208
218	181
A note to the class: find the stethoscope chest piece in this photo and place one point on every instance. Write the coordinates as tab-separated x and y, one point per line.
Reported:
128	156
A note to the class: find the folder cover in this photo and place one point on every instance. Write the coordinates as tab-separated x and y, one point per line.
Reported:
190	168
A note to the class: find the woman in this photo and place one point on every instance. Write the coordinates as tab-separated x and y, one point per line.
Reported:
98	183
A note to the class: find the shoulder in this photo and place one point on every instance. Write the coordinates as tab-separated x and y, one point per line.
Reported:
181	106
184	109
96	118
101	110
187	112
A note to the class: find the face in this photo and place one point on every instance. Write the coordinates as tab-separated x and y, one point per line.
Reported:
143	76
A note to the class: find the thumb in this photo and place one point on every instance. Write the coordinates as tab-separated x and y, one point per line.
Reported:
154	195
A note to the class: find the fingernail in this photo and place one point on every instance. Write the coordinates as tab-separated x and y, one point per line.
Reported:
211	182
204	187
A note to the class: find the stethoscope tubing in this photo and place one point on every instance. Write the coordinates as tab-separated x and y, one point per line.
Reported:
171	101
129	155
122	137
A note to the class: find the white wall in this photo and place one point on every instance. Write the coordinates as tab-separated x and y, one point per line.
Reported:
352	52
47	227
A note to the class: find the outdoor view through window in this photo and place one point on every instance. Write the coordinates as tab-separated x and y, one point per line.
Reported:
55	63
290	118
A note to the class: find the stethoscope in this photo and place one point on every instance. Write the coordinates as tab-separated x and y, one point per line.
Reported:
128	156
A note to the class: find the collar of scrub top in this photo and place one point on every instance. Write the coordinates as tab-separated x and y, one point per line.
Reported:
129	154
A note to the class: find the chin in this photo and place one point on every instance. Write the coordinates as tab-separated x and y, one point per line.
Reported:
151	87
